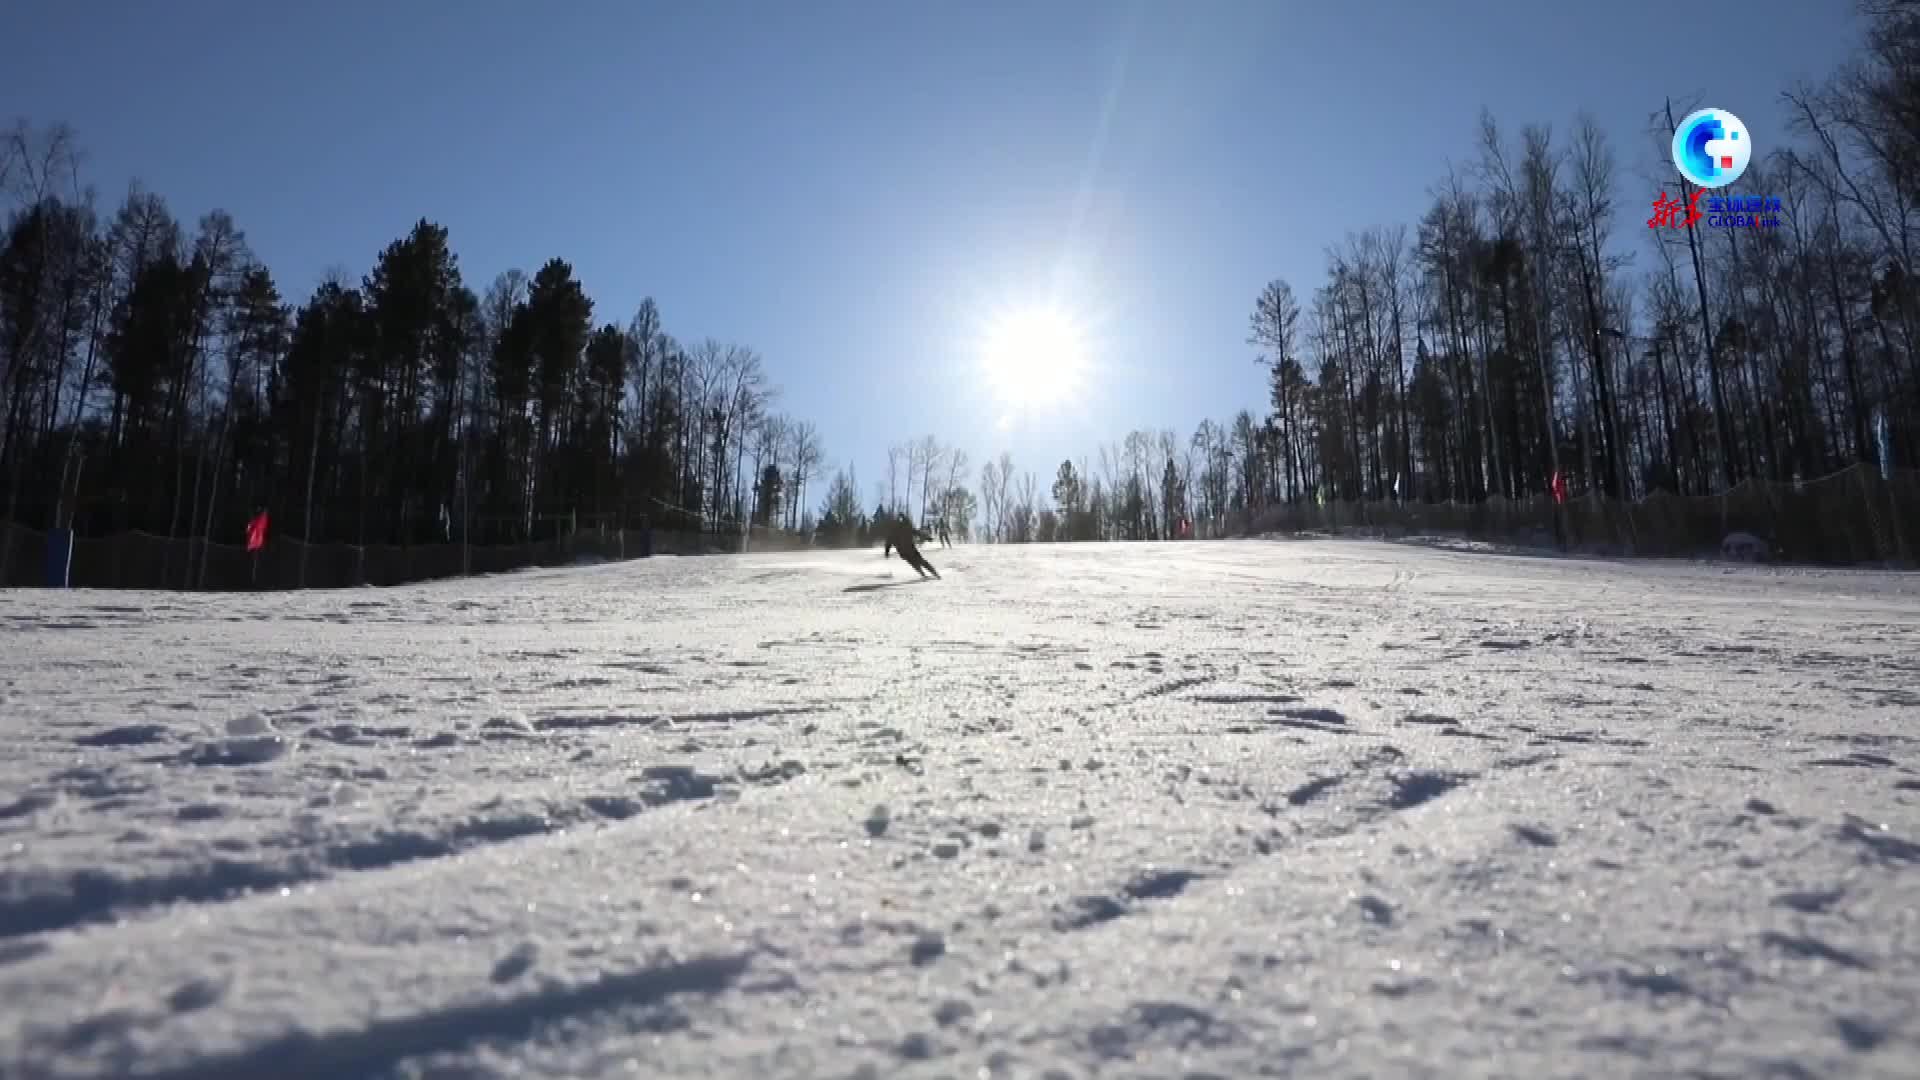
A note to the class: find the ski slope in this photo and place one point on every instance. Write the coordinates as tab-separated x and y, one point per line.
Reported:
1232	809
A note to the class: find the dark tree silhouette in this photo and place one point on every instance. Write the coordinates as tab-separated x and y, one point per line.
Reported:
154	381
1507	337
153	377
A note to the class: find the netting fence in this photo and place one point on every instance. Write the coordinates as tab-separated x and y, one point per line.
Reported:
636	528
139	560
1853	517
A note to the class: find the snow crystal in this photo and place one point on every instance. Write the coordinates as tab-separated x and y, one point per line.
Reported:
752	814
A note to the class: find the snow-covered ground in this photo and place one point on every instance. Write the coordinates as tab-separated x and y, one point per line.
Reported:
1234	809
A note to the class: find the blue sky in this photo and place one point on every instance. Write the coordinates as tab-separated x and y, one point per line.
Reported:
852	188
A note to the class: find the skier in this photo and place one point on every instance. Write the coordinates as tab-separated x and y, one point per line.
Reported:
946	538
900	535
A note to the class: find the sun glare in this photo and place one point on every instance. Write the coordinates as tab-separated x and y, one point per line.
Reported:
1034	357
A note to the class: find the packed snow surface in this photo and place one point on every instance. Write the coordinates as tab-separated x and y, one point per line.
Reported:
1232	809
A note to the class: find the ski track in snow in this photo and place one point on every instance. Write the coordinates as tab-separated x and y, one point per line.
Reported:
1250	808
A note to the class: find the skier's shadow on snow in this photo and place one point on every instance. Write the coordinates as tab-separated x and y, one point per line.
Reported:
886	585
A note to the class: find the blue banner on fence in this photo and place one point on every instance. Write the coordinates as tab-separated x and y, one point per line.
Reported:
1885	439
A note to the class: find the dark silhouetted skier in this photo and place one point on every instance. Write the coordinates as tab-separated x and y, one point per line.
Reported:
900	535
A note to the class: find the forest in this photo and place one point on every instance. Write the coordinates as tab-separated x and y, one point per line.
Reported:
157	380
1504	335
154	377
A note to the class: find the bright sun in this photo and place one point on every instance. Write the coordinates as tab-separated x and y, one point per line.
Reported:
1034	356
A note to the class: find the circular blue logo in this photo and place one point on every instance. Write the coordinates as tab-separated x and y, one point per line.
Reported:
1711	148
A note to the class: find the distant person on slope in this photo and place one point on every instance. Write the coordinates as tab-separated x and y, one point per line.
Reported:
900	535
